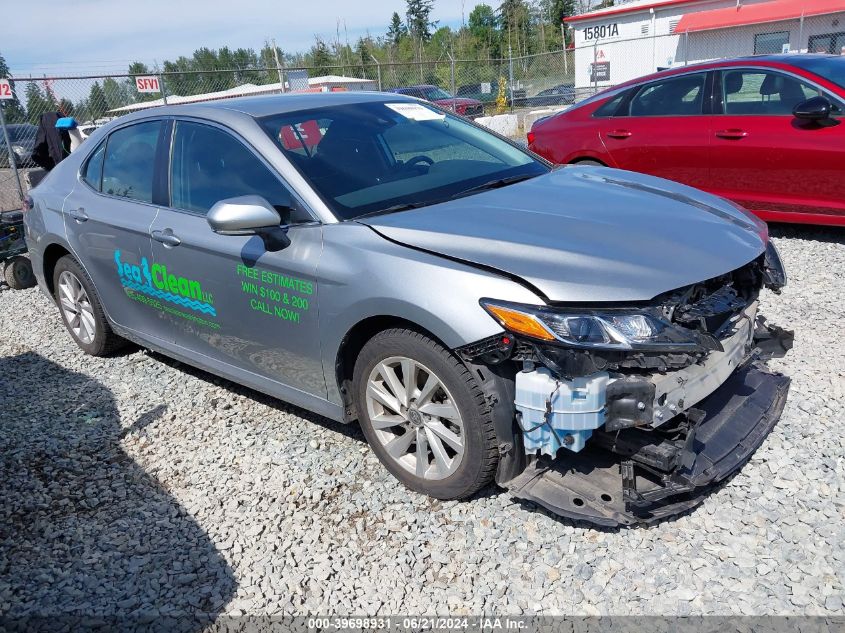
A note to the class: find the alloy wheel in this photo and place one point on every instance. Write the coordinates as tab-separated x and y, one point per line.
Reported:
76	307
415	418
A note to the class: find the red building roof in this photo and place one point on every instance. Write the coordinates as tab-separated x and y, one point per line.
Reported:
632	7
742	15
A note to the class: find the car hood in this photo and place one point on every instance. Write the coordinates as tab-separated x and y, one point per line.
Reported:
588	234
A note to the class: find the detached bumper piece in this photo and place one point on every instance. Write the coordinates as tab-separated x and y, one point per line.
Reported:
635	476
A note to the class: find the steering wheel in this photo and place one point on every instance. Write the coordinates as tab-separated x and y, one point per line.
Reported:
419	158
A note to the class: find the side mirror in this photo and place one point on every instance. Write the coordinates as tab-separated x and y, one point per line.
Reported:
249	215
244	215
813	109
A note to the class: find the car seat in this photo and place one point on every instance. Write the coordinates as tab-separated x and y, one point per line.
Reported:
351	153
788	90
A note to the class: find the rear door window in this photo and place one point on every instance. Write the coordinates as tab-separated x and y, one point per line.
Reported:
674	96
129	162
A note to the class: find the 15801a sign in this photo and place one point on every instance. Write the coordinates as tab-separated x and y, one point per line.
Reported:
601	31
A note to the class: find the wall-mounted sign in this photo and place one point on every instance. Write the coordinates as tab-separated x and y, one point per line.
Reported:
602	31
600	71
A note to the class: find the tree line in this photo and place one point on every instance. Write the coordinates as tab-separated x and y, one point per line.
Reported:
515	28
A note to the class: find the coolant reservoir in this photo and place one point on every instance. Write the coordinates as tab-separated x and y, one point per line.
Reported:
556	413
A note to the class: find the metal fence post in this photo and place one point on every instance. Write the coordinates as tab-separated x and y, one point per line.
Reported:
510	75
163	89
595	71
452	81
12	163
378	70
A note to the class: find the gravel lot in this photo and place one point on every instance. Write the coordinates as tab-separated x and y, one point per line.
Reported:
138	484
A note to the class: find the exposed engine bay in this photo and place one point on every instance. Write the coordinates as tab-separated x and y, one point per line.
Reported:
627	414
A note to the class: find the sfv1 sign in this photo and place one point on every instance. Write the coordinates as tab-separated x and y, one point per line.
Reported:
6	89
147	84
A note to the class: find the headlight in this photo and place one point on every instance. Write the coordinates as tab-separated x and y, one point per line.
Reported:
18	149
774	273
605	329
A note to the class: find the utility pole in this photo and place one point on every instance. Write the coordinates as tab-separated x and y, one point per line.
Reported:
278	65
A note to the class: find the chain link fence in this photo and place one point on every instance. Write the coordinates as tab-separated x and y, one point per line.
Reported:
481	87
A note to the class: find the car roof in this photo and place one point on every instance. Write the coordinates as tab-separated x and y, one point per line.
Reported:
267	105
788	59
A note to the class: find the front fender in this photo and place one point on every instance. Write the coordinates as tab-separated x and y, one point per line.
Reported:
362	275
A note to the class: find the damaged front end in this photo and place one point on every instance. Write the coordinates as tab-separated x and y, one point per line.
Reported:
624	415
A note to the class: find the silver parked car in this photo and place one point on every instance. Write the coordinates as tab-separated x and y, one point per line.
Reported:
587	336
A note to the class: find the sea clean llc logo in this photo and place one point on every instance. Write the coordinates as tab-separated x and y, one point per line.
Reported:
155	281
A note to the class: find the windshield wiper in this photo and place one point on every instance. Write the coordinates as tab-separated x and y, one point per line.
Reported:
394	209
494	184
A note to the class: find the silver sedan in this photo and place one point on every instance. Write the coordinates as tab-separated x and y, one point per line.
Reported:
586	336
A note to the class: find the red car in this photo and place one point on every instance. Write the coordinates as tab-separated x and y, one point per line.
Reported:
460	105
766	132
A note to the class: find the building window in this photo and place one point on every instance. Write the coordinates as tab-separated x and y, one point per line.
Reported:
832	43
673	26
771	43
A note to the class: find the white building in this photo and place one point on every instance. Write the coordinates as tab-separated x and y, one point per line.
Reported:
636	38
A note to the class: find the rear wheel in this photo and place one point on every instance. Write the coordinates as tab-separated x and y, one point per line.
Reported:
81	310
424	415
18	273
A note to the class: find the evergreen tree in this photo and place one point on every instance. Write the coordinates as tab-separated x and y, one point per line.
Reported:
12	109
97	103
418	22
396	30
321	56
36	102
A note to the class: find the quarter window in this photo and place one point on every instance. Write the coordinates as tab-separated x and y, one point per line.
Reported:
763	93
676	96
130	161
92	173
210	165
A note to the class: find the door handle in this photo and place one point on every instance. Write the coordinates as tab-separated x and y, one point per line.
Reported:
619	133
732	134
78	214
166	237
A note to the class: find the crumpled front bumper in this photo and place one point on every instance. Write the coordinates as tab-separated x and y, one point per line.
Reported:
647	478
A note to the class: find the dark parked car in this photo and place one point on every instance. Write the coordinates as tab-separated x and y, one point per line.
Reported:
459	105
562	94
765	132
475	91
22	138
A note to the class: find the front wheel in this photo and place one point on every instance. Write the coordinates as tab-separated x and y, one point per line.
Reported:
424	415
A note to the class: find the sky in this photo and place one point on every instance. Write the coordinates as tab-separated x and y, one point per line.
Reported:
102	36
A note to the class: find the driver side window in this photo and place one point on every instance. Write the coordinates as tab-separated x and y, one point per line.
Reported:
763	93
210	165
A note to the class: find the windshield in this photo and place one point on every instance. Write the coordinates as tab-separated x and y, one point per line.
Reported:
831	68
373	157
434	94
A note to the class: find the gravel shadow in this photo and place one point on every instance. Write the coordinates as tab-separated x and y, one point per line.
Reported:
831	234
85	533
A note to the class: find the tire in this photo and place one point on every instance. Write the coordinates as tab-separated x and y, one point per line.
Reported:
102	341
589	163
438	474
18	273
